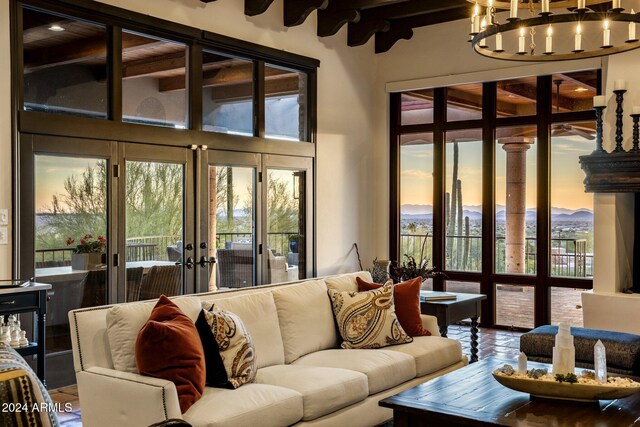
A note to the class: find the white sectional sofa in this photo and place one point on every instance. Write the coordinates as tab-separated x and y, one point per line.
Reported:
304	378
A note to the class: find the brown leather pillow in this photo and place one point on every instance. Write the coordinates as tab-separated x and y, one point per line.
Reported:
406	297
168	347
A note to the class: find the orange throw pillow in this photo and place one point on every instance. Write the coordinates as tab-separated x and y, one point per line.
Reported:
406	297
169	347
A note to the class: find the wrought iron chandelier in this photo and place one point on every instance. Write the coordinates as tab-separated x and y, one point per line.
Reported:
582	28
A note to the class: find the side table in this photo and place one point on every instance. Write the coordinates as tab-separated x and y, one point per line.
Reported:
465	306
29	299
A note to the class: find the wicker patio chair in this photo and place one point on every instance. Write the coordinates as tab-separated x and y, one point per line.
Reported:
94	288
235	268
134	282
161	280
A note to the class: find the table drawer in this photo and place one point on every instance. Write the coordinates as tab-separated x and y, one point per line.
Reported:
20	301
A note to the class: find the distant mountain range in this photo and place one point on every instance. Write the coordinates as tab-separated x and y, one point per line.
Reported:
474	212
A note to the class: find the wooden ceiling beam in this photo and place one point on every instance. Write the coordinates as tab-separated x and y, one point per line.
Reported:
297	11
330	22
80	50
153	65
243	91
403	28
225	76
360	32
413	12
339	13
256	7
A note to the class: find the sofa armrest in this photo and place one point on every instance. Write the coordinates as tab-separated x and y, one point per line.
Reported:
430	323
109	397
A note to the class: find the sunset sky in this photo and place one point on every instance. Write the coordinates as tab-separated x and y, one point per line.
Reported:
567	189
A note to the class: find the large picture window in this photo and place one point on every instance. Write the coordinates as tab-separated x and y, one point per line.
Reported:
489	178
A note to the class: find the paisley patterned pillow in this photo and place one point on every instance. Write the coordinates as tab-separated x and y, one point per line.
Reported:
229	351
367	319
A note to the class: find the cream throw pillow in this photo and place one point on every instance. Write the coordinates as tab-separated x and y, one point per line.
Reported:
367	319
234	344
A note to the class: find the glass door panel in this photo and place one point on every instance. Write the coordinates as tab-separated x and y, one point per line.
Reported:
154	241
416	196
286	194
516	204
156	252
232	226
463	200
571	206
70	238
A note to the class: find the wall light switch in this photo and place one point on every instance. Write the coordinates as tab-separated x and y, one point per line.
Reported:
4	239
4	216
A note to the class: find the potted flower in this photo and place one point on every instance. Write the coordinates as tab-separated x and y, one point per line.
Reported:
411	268
87	254
293	243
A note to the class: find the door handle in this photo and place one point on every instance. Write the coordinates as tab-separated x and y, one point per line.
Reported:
189	263
204	261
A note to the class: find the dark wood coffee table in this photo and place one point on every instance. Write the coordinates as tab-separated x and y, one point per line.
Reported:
472	397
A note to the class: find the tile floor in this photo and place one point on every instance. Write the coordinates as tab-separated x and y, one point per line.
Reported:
492	342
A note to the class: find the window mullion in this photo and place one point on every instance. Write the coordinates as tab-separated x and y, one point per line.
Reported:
259	99
439	118
114	72
489	112
542	291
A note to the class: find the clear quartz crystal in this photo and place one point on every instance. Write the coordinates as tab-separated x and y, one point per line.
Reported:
600	362
522	364
564	354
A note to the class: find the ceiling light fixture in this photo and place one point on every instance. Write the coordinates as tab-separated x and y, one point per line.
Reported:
580	89
56	28
562	19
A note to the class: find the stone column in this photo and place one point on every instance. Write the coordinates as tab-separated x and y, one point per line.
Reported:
516	210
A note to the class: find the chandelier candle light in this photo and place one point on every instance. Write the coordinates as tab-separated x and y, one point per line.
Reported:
563	18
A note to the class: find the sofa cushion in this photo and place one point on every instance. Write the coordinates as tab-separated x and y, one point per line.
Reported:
168	347
306	319
347	282
228	349
251	405
124	321
323	390
406	299
431	353
259	314
384	369
367	319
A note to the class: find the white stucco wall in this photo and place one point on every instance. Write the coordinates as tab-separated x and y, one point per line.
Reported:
345	116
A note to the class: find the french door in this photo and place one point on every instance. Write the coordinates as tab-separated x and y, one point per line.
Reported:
119	222
112	222
255	211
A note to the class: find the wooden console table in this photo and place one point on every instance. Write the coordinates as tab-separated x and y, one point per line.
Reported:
465	306
29	299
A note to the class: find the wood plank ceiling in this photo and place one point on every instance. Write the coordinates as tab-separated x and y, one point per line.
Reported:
386	20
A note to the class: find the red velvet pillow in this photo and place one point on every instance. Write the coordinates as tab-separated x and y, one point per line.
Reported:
169	347
406	298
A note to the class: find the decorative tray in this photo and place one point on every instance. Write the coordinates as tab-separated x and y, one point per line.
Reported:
586	390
